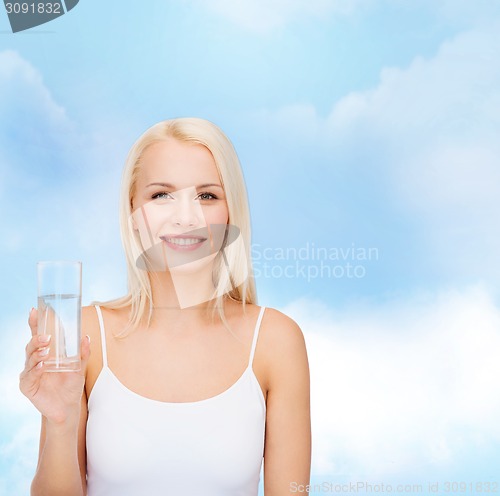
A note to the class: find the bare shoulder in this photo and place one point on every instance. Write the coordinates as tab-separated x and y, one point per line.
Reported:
281	332
277	329
90	319
284	348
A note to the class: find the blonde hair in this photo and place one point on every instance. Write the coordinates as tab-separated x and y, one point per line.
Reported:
237	257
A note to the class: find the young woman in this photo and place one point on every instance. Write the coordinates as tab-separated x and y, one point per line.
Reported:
190	384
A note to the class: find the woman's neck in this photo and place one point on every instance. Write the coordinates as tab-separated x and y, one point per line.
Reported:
180	300
178	289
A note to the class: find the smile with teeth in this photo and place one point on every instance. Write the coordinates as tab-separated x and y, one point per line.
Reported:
183	241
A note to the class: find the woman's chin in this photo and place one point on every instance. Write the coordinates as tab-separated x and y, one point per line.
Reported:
194	267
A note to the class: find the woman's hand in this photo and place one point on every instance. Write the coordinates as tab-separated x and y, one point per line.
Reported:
56	395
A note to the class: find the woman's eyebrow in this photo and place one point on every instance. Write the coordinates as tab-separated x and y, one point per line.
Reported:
171	186
208	185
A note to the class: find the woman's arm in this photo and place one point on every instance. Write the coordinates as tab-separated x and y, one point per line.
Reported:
287	453
61	466
61	399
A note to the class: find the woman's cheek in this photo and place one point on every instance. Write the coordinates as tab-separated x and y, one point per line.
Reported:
145	220
217	214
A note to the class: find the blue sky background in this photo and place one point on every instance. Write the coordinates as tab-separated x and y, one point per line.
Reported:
365	124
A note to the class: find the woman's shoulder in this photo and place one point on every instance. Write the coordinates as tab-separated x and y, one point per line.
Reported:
281	330
90	320
90	313
280	322
276	327
282	343
278	332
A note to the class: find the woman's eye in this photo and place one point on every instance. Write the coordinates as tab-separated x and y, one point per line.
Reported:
207	196
161	196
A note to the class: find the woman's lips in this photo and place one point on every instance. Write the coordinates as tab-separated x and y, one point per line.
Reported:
183	243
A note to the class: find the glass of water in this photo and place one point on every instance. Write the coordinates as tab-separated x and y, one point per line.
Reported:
59	313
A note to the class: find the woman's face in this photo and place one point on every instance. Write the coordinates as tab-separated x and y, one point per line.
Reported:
178	203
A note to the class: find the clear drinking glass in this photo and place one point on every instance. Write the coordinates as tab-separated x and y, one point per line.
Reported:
59	313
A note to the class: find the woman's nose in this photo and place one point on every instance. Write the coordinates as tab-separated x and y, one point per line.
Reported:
187	213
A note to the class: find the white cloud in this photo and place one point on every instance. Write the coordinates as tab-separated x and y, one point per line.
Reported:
35	136
411	385
447	94
59	187
436	124
35	131
22	83
432	129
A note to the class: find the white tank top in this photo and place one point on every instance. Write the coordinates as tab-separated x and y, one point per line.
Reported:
137	446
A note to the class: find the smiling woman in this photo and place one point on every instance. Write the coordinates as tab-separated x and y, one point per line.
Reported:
199	156
173	222
189	386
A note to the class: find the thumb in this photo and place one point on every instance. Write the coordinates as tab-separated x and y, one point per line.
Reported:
33	321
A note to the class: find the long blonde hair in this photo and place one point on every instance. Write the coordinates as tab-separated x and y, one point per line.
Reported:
237	254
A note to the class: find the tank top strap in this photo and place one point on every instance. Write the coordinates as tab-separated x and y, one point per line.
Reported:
103	336
256	335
